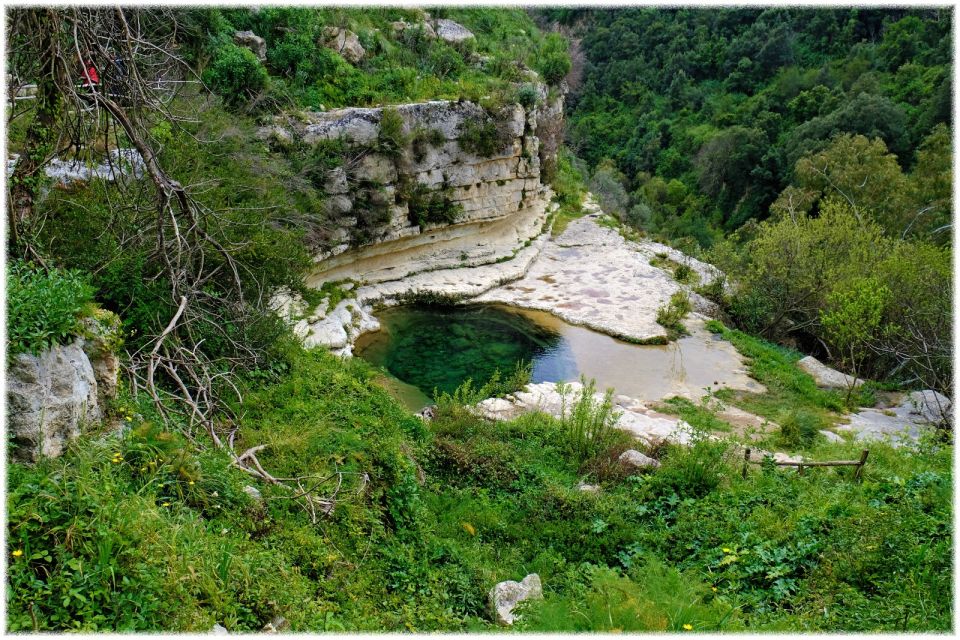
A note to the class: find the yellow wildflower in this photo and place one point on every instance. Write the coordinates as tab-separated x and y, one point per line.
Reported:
688	627
192	482
165	504
727	550
469	528
17	553
129	419
714	589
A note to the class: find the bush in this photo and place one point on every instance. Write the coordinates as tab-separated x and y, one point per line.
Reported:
43	306
553	63
587	425
235	74
670	315
431	206
390	138
483	138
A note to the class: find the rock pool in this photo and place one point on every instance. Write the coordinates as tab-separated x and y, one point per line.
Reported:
425	348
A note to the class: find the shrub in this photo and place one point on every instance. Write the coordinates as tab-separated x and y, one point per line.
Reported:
798	428
483	138
527	95
553	63
671	314
431	206
587	425
43	306
390	138
235	74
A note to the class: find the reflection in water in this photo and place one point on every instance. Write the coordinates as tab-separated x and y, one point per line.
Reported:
433	347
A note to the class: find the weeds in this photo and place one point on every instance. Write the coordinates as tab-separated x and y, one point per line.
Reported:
670	315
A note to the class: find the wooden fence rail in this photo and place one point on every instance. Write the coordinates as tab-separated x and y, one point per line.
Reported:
803	465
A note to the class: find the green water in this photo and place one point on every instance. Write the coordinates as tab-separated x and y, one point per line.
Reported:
440	347
423	348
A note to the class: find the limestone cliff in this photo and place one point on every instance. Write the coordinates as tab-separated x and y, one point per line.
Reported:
463	186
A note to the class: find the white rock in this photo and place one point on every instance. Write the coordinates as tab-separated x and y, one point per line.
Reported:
50	397
505	596
450	31
252	41
932	406
824	376
588	488
219	630
253	492
831	436
344	42
633	459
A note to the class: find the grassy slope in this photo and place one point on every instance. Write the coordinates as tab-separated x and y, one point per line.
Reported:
452	509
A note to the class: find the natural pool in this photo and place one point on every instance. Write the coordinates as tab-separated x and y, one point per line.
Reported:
429	347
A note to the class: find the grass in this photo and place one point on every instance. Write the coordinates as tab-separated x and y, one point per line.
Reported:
682	273
698	416
455	506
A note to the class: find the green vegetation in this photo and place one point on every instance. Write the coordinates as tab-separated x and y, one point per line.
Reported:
149	530
670	316
398	66
44	308
693	120
693	125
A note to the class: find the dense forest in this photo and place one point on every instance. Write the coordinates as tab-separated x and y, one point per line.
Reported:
702	115
831	127
238	481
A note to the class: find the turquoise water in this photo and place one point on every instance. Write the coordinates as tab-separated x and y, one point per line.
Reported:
422	348
441	347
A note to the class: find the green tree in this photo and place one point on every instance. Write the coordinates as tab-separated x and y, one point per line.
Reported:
852	321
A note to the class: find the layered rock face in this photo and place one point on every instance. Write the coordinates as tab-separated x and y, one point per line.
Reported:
464	188
51	396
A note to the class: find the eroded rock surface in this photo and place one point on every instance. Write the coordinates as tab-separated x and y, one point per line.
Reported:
901	423
452	32
344	42
50	397
253	42
505	596
824	376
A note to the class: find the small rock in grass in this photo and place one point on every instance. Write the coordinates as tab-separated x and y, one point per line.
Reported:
505	596
633	459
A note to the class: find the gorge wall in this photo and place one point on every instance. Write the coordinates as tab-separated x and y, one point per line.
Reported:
429	185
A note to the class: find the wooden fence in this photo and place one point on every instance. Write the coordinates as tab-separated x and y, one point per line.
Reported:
803	465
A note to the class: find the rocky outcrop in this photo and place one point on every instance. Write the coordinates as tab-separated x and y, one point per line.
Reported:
53	395
824	376
250	40
505	596
118	163
903	422
452	32
50	397
384	201
344	42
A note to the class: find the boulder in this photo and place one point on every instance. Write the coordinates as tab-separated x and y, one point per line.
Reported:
344	42
250	40
634	460
831	436
219	630
588	488
254	493
400	26
50	397
505	596
934	407
452	32
824	376
427	413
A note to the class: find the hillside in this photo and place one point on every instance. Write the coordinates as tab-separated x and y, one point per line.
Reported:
298	300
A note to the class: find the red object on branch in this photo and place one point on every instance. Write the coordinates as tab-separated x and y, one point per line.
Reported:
90	75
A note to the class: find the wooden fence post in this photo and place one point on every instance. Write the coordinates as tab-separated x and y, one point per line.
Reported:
863	461
746	461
